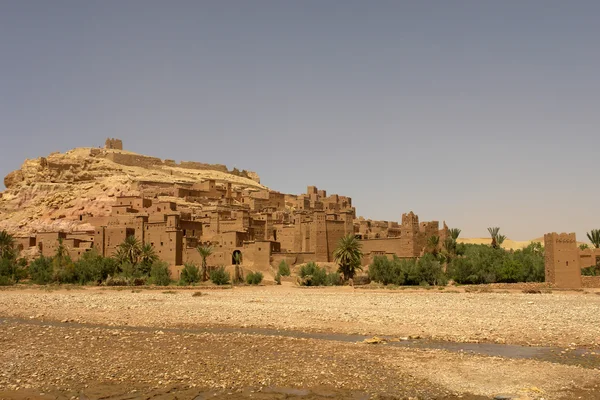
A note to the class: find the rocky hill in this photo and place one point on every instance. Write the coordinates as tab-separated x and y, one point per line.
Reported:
50	193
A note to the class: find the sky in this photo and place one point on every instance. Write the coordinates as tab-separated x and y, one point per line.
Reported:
480	113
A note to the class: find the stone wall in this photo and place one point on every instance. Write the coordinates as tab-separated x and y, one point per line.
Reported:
590	281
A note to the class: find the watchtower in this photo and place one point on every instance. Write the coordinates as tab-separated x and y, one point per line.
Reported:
114	144
562	260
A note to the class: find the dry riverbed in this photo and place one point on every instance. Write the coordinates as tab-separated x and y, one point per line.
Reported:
252	343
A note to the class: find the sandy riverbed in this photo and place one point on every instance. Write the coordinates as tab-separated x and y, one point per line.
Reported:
124	340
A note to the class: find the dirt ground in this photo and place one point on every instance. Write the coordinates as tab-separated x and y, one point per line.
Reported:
286	342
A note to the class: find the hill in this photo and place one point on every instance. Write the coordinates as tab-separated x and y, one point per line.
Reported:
50	193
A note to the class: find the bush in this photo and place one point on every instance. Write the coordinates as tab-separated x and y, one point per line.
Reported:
427	271
284	268
278	279
41	270
6	281
117	281
160	274
12	270
189	274
92	267
254	278
219	276
386	271
484	264
313	275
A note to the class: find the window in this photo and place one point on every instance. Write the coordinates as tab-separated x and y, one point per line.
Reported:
161	243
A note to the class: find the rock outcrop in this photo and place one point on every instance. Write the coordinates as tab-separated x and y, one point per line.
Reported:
51	193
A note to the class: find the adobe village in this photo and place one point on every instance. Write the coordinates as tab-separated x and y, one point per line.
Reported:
129	276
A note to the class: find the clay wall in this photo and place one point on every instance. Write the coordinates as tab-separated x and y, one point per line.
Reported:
293	258
336	230
133	160
562	260
590	281
48	242
203	166
589	257
24	243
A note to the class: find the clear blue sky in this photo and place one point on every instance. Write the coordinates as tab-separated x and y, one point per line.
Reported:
482	113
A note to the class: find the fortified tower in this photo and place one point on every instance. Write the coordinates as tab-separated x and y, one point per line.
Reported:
114	144
562	260
409	230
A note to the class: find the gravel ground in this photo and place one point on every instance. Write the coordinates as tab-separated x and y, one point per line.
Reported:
76	360
124	345
557	319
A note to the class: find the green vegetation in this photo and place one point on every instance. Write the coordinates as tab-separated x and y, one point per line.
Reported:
348	256
254	278
313	275
284	268
219	276
205	252
12	270
190	274
494	234
594	237
478	264
425	271
278	279
237	259
160	274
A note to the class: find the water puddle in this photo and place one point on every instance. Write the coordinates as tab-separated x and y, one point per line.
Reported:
581	357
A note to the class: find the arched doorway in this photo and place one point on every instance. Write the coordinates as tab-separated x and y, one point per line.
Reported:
234	257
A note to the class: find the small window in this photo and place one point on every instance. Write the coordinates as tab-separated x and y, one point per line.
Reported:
259	249
161	243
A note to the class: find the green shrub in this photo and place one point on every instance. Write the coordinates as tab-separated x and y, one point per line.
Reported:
41	270
427	271
313	275
6	281
484	264
92	267
219	276
278	279
284	268
386	271
189	274
254	278
160	274
12	270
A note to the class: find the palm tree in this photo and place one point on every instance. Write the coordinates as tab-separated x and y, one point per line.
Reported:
237	259
205	251
454	233
7	245
129	250
147	257
61	251
500	239
594	237
432	244
494	234
450	245
348	255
